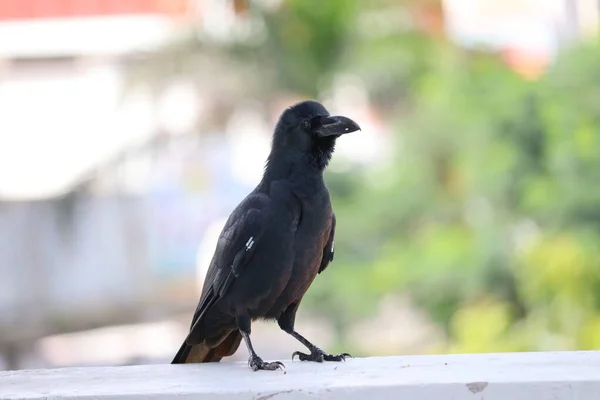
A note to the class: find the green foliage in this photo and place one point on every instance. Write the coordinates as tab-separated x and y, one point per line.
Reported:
490	215
307	40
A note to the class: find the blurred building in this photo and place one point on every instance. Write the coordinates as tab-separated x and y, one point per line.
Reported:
71	261
65	59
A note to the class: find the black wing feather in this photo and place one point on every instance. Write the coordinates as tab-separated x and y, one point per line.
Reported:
234	250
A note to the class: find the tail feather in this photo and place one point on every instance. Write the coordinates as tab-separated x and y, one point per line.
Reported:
201	353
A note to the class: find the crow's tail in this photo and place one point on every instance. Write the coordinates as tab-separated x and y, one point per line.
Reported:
201	353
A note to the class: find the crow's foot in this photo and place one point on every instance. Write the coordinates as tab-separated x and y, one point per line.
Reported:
319	355
257	363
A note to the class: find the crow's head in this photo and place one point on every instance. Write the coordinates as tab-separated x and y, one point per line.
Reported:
307	129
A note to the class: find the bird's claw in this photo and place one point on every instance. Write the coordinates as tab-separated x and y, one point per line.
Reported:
320	356
317	357
337	357
257	363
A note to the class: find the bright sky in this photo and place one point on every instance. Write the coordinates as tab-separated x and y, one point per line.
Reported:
528	24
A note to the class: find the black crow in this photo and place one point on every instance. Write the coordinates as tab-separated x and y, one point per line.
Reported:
273	245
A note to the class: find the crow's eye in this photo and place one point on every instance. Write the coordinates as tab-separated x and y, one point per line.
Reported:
305	124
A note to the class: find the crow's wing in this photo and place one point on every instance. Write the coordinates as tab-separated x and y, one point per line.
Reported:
235	247
329	247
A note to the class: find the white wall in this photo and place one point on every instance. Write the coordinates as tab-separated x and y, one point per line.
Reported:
516	376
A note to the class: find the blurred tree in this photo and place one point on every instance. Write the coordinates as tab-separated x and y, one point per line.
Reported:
294	47
488	215
298	47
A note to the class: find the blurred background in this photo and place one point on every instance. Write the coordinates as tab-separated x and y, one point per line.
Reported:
468	207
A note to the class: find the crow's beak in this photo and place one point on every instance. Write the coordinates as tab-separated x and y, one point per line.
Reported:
336	126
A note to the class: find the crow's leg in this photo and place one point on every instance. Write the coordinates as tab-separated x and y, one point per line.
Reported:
255	362
286	322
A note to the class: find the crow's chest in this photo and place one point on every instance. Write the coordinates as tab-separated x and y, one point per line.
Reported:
312	233
307	213
313	224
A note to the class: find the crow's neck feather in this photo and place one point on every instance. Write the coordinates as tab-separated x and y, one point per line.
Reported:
281	163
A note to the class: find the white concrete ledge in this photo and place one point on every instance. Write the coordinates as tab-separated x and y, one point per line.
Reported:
515	376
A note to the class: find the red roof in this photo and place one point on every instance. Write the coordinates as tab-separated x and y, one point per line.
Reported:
36	9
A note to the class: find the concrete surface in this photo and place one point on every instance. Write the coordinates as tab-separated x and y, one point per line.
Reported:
516	376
